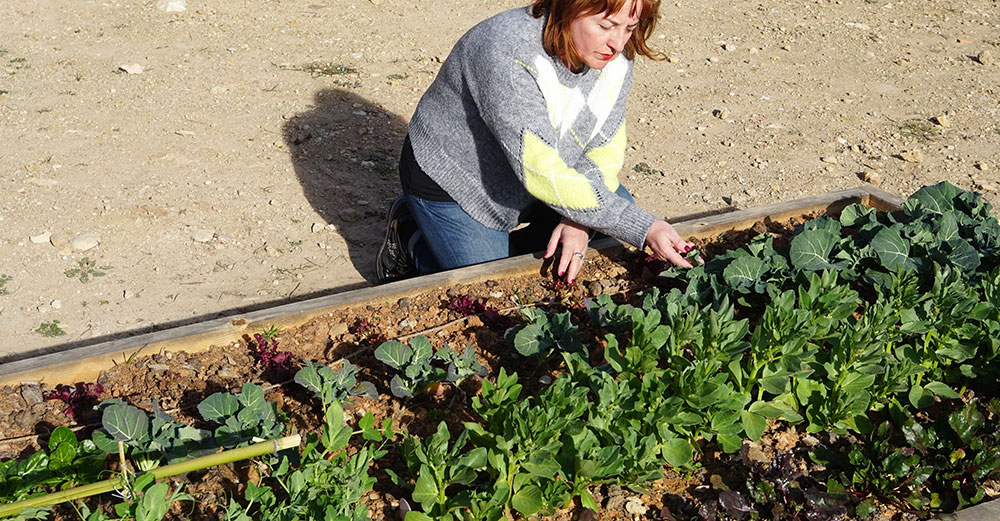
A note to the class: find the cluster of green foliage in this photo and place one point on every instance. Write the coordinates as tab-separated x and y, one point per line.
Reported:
854	315
878	327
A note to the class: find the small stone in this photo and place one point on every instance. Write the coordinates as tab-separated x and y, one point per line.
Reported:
158	368
942	120
594	288
732	200
496	294
85	241
32	394
727	47
171	6
754	453
404	302
984	58
871	178
407	323
545	379
810	440
635	507
225	372
983	185
59	240
203	235
981	166
41	181
452	293
349	215
337	330
912	156
721	113
41	238
56	304
43	308
317	227
131	68
127	294
830	160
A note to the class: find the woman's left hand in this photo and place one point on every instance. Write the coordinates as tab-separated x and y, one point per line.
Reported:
573	238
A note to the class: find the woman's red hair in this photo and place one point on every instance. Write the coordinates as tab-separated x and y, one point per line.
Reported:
556	37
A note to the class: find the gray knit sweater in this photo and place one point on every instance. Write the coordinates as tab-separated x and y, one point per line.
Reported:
504	125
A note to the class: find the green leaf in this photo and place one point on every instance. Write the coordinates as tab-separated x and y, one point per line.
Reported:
413	515
527	500
941	389
753	424
935	199
678	452
744	272
963	255
62	435
856	214
422	350
309	378
810	250
966	421
218	407
920	397
126	423
252	397
891	248
531	340
394	354
426	490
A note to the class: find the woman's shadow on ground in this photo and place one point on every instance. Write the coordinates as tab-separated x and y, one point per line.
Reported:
345	150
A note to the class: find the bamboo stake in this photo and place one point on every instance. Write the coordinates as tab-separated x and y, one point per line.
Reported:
211	460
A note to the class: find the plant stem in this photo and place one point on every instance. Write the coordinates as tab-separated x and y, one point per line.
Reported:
212	460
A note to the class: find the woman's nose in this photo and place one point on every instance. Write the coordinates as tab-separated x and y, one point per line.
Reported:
618	40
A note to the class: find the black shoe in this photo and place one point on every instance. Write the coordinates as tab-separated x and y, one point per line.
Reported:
393	261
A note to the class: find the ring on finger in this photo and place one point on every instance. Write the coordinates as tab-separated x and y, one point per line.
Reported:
578	254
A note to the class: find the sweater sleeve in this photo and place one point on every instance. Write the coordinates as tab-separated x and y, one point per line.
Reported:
566	147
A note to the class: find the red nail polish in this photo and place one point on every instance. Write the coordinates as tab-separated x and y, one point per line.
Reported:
561	273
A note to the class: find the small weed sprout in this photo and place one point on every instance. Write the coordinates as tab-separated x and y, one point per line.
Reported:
4	279
919	129
85	269
645	169
50	329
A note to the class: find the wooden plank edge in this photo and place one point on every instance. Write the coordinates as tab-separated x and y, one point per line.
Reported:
85	363
988	511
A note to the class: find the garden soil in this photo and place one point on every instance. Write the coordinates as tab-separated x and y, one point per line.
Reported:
159	168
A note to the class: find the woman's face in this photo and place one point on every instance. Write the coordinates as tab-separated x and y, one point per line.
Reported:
598	38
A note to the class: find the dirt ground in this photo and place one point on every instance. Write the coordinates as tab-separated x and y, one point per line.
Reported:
240	155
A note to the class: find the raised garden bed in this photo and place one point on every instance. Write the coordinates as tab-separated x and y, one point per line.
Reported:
808	377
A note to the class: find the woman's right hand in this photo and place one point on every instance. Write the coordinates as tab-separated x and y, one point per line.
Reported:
667	244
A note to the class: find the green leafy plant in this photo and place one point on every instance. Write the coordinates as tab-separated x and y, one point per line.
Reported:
148	440
330	385
50	329
925	466
417	365
66	462
4	279
85	269
243	416
149	500
545	333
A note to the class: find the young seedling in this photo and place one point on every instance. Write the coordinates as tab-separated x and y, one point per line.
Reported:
4	279
85	269
50	329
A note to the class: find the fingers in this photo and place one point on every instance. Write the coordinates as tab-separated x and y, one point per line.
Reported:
570	263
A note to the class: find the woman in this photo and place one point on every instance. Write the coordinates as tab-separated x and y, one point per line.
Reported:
525	122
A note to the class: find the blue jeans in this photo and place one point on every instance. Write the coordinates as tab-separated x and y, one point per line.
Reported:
448	238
